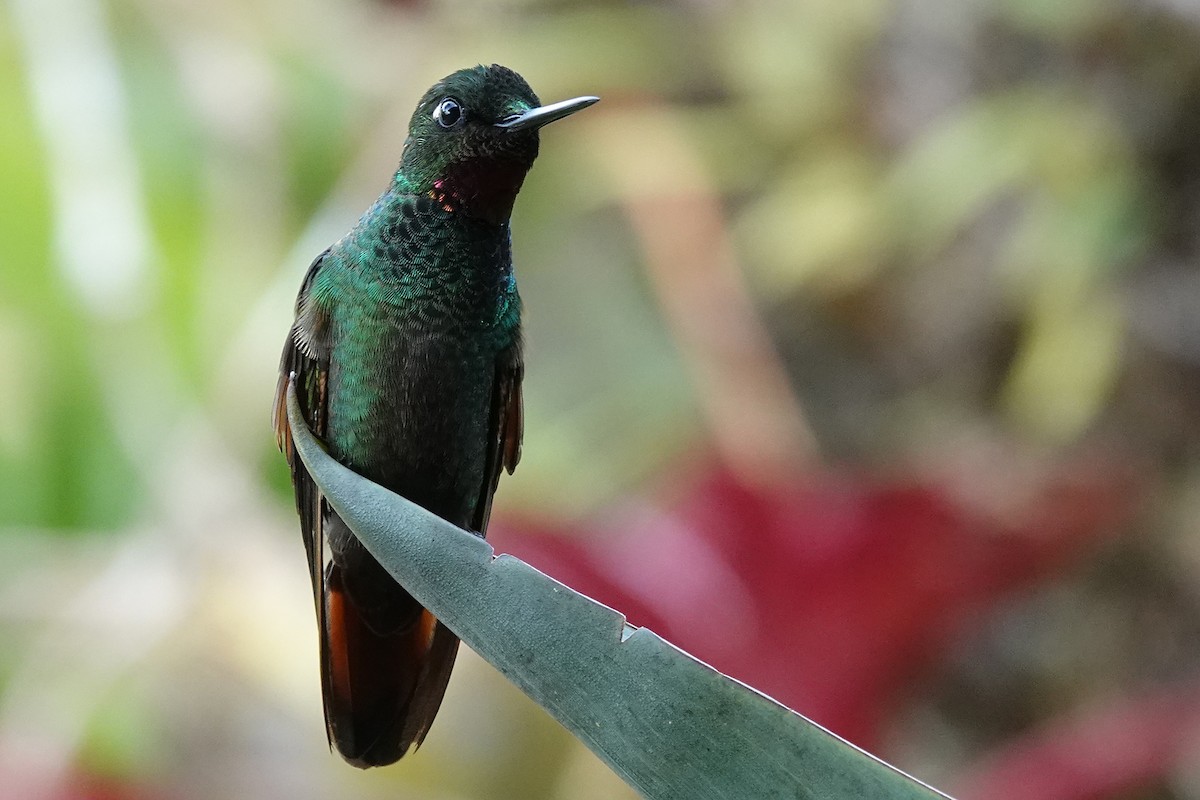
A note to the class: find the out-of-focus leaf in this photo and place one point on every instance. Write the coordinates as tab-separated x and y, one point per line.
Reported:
165	132
950	176
667	723
1065	18
820	224
789	61
1067	366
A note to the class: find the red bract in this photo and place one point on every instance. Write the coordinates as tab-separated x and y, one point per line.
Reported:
1097	754
832	595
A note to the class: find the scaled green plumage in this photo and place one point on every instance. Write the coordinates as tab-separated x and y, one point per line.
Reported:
406	352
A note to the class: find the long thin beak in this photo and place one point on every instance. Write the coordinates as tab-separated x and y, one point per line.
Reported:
537	117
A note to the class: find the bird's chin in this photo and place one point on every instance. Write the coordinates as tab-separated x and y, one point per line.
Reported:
482	187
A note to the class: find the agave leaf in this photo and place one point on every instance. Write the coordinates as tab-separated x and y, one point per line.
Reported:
667	723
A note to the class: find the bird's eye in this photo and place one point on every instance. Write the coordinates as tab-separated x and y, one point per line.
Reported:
449	114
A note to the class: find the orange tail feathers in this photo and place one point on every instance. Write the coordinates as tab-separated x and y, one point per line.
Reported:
381	692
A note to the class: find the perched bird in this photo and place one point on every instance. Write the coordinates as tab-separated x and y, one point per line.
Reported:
406	356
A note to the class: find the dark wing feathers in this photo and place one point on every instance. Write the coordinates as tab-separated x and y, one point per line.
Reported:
505	430
305	361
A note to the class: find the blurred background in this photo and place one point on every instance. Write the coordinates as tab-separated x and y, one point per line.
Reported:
864	363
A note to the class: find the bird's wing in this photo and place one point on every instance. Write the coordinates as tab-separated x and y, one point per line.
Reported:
306	362
505	429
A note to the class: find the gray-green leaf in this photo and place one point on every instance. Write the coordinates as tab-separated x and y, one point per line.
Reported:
670	725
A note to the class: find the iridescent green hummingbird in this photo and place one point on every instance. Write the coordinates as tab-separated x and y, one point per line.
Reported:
406	356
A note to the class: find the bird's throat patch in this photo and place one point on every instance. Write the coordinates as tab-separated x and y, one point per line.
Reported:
480	187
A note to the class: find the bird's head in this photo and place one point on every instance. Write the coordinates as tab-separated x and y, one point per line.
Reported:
473	138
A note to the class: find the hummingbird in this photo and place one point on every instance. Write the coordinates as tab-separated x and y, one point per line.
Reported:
406	357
